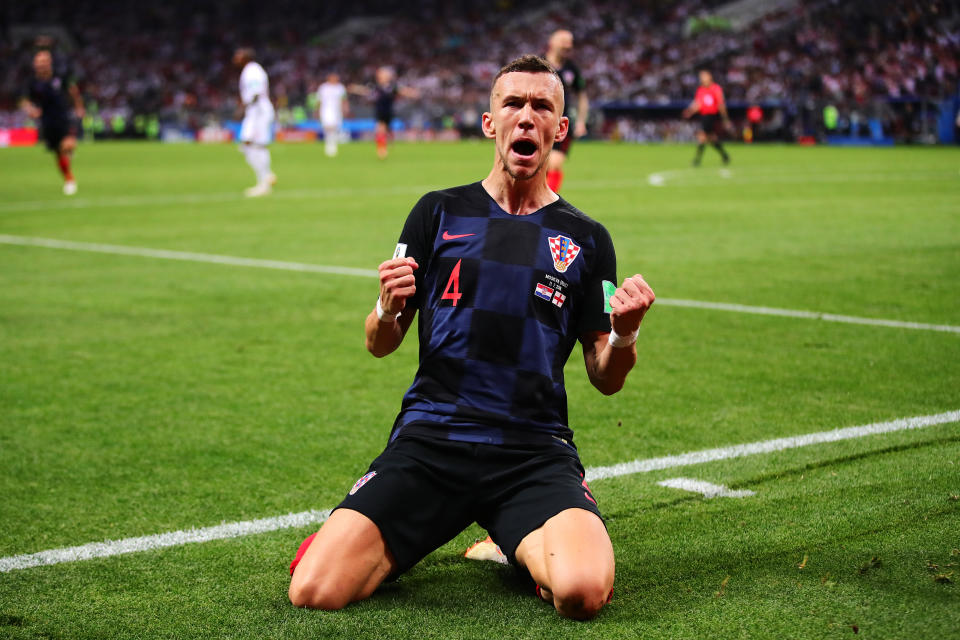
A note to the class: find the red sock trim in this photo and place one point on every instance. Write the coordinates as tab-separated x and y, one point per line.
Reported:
302	550
63	161
381	141
554	180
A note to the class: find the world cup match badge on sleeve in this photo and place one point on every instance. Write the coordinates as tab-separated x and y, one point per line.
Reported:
400	251
564	252
362	481
609	289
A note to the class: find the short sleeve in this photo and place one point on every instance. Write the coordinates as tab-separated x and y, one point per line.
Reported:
416	241
600	284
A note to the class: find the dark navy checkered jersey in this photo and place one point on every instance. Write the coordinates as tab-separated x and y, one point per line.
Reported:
502	301
53	98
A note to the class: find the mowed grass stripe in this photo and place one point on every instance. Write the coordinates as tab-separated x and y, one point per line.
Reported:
235	261
671	177
304	518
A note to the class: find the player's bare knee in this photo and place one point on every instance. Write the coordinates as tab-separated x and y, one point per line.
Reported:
316	596
578	607
582	599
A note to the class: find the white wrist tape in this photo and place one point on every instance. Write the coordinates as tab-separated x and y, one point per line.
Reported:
616	340
383	315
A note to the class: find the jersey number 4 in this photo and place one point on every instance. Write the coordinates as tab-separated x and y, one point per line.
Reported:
452	290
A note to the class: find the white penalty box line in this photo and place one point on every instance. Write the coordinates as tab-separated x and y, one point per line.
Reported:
235	261
314	517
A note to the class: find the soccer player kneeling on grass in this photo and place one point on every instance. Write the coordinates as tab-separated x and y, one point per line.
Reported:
506	276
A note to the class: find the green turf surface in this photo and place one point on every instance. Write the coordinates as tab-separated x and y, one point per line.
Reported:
140	395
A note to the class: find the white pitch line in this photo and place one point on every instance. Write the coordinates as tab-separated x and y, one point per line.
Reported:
234	261
304	518
769	446
144	200
161	540
709	177
707	489
809	315
144	252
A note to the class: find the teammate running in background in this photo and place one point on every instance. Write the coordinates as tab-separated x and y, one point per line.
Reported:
258	112
332	96
559	48
55	100
708	102
506	276
384	93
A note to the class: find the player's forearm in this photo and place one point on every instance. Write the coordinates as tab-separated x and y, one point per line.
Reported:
29	108
388	322
77	98
383	338
611	367
583	108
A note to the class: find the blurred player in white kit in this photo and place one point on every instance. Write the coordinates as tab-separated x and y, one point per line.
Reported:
257	121
332	96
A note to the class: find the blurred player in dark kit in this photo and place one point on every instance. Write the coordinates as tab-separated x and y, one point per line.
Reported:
559	48
55	100
384	93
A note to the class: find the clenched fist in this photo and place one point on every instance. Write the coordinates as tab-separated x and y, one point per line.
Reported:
397	283
629	303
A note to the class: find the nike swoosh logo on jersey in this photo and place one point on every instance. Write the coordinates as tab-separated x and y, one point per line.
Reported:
447	236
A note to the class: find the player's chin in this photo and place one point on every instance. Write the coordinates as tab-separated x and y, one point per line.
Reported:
524	165
523	171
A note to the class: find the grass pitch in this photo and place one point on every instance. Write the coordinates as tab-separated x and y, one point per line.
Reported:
140	395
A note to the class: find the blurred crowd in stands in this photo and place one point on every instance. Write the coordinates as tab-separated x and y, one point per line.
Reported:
170	62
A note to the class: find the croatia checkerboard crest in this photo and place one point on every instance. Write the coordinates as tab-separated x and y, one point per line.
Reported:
564	252
362	481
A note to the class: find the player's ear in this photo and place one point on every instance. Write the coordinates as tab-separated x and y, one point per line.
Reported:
486	124
562	129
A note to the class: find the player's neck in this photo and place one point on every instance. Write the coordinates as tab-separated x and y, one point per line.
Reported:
518	197
554	60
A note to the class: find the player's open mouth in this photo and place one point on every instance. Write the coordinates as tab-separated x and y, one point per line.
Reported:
525	148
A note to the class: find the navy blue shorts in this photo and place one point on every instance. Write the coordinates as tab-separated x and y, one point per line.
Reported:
55	131
421	492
